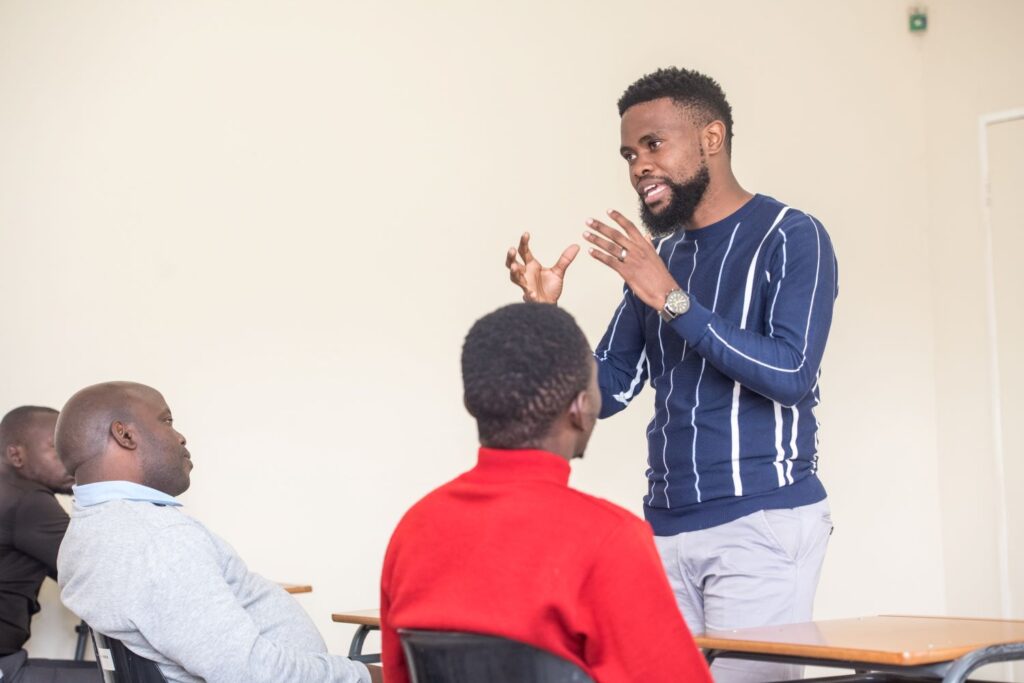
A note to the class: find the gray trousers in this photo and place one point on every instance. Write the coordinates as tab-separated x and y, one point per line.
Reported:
758	570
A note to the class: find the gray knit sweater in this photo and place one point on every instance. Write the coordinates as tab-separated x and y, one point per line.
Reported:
173	592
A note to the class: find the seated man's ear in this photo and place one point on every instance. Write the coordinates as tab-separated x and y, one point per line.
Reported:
15	458
579	409
124	435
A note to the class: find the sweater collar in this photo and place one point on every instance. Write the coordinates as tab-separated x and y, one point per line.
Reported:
725	226
522	465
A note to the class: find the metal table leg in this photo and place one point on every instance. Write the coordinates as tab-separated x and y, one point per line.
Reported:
355	650
962	668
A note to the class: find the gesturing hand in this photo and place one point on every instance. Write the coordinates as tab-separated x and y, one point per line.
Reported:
631	254
539	284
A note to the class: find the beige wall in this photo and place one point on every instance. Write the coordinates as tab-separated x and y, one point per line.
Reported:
286	216
974	67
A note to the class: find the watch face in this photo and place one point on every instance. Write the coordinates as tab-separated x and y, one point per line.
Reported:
677	301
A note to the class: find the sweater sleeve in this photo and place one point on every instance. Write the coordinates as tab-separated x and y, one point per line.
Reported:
621	357
635	630
782	364
39	528
191	616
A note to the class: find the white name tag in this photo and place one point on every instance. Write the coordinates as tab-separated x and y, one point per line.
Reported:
106	661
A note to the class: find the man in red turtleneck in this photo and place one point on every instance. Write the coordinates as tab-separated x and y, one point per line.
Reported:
508	549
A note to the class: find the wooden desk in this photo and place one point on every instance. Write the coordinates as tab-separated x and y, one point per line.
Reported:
363	617
878	648
294	588
367	620
893	648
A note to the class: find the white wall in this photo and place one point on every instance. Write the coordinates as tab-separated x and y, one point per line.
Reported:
286	216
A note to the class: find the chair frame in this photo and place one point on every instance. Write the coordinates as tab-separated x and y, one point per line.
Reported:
118	664
544	666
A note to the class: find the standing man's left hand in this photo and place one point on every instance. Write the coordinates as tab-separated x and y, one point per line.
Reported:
631	254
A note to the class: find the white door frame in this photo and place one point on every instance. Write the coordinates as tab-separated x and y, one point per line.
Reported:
997	408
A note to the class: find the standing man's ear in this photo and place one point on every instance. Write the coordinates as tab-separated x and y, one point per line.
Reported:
124	435
14	456
713	137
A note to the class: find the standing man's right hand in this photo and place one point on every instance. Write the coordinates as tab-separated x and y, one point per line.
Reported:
539	284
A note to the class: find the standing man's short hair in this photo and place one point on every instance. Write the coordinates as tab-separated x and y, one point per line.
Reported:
690	89
522	365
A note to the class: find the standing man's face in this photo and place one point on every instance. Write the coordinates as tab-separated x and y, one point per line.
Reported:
39	461
667	167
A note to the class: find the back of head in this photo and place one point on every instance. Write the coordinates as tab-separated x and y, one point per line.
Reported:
83	428
522	366
692	90
122	431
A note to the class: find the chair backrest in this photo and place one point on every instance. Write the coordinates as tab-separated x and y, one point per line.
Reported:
453	657
118	664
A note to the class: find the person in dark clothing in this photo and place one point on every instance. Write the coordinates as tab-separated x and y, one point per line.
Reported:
32	525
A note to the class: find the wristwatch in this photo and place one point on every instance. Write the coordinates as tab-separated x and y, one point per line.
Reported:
677	302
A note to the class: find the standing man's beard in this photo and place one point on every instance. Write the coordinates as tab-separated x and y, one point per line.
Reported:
685	198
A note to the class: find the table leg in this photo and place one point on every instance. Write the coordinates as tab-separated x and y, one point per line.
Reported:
962	668
355	650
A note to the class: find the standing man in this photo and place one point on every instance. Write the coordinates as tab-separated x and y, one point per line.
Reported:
726	311
32	525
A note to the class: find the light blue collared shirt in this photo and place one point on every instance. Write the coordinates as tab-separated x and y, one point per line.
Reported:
88	495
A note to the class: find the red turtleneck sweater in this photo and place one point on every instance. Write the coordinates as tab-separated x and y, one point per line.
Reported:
508	549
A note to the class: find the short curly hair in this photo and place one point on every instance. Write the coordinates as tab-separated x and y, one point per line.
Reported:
522	366
691	89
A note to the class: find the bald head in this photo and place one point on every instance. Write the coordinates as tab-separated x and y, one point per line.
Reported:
122	431
83	430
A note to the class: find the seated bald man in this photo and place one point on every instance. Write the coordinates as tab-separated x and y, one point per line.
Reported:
508	549
32	524
138	569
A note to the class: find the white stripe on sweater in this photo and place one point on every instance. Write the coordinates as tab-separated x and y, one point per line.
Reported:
817	425
734	415
817	273
793	452
780	454
734	425
704	363
749	287
671	381
624	397
807	326
615	327
654	421
778	287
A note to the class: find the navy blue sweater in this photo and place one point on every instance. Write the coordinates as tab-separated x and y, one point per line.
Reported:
735	377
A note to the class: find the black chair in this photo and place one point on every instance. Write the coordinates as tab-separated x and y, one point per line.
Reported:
453	657
118	664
